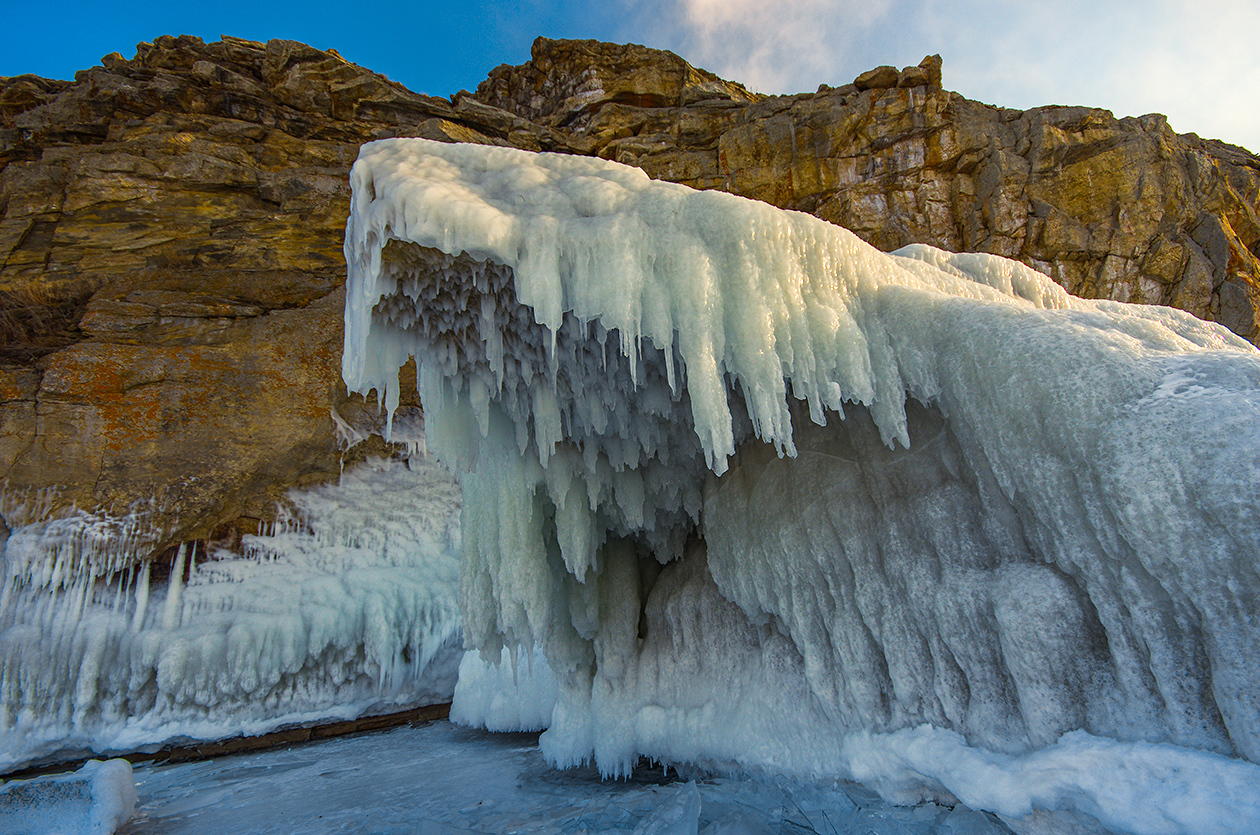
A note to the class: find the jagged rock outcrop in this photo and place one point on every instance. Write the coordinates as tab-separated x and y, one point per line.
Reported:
171	229
566	80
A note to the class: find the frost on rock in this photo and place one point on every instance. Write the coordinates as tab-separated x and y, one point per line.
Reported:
349	604
754	487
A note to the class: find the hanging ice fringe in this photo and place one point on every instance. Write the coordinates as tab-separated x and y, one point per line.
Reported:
347	604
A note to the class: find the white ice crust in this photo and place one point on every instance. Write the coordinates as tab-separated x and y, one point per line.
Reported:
348	604
754	487
95	800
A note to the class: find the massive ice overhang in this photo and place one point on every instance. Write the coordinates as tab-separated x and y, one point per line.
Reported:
902	489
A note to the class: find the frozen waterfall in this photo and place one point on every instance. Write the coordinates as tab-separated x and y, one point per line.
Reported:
764	496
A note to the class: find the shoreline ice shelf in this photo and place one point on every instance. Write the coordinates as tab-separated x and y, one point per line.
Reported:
348	606
758	492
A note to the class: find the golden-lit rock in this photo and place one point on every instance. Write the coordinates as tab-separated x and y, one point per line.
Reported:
568	80
184	210
880	78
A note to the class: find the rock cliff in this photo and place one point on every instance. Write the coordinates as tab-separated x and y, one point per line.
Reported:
172	273
171	229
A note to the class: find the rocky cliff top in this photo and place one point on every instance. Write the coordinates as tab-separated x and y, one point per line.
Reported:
171	230
568	80
1110	208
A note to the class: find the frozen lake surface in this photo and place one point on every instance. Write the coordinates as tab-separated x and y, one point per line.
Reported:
441	778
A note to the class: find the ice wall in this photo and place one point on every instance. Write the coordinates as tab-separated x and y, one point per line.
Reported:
349	604
753	486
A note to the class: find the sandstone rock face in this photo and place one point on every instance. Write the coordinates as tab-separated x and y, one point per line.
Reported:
565	80
171	230
187	207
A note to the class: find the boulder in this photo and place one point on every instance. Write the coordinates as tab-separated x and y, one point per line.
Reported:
880	78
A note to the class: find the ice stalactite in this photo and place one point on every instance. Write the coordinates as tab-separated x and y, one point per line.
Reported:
753	487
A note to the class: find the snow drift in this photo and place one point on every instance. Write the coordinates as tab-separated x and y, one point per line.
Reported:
754	487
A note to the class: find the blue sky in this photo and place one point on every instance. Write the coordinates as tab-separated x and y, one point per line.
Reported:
1194	61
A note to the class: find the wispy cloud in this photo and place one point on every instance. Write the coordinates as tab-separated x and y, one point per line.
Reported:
1194	61
775	46
1197	63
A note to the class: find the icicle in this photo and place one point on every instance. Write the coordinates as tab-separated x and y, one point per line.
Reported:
6	595
142	598
119	590
171	614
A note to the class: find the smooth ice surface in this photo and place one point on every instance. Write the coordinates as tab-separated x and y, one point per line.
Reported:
95	800
348	605
440	779
754	487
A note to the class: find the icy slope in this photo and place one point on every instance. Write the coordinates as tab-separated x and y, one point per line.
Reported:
349	604
754	486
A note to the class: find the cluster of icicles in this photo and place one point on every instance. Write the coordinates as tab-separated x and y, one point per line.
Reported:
346	603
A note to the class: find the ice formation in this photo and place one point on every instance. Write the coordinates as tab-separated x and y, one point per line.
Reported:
504	695
95	800
754	487
349	604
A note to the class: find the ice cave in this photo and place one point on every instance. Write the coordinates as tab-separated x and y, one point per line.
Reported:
750	493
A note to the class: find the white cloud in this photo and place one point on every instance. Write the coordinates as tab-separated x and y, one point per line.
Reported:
1196	61
779	43
770	46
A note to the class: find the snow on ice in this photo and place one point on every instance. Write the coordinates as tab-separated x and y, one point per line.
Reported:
348	605
767	498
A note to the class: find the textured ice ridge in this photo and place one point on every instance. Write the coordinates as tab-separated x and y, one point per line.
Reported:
98	799
752	485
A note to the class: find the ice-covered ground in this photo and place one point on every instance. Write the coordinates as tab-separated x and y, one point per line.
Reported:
349	605
440	779
1080	783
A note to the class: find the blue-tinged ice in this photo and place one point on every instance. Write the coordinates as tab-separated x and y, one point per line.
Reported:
768	498
98	799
